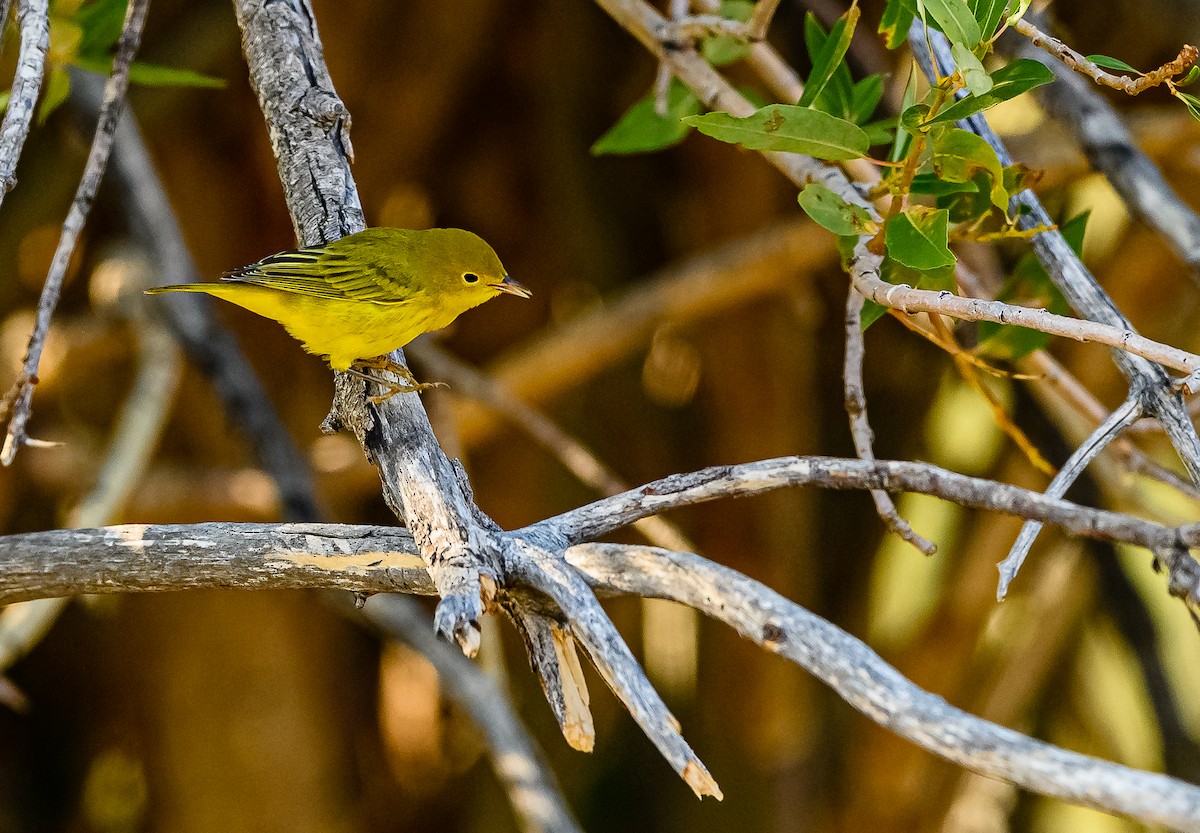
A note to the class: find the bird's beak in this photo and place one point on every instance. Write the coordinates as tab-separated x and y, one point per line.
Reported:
511	287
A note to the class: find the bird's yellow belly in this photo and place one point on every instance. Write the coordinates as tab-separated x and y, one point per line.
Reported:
343	330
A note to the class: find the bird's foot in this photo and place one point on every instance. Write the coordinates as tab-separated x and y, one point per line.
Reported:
407	383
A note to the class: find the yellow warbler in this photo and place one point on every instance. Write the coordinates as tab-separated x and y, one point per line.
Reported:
358	298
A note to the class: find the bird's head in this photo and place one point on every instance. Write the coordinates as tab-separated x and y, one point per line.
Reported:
469	269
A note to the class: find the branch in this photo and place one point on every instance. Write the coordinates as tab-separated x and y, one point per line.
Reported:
860	427
1186	59
33	19
1110	149
1105	433
17	403
880	692
149	558
1168	545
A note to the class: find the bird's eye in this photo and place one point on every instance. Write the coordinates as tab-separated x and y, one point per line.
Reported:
471	277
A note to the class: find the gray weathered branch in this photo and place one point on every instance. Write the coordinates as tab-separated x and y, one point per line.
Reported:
876	689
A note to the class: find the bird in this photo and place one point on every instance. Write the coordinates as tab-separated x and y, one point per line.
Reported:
354	300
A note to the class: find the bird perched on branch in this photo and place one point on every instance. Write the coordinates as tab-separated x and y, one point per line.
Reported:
354	300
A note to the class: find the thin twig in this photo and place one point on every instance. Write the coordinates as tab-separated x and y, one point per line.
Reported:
1185	60
864	272
1071	470
114	97
860	427
1111	150
865	681
33	19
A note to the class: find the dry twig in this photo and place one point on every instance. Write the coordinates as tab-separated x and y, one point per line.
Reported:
1185	60
19	399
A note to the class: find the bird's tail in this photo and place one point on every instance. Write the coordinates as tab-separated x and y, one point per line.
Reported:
206	288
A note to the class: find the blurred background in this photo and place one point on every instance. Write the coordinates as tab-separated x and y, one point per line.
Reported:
685	314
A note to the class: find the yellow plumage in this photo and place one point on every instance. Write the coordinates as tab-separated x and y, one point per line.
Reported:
368	293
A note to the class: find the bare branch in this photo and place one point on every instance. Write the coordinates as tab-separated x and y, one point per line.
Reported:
864	271
880	692
1186	59
1168	545
860	427
1071	470
19	398
141	557
33	19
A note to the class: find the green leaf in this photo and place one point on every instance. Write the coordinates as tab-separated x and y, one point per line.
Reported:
829	211
955	20
723	49
1008	82
834	99
101	22
988	14
787	127
643	130
959	154
5	97
864	98
833	51
918	238
1190	78
154	75
894	24
974	75
882	132
933	185
58	87
1021	6
1106	62
1191	102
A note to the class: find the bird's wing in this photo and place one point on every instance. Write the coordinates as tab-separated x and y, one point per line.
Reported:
320	273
